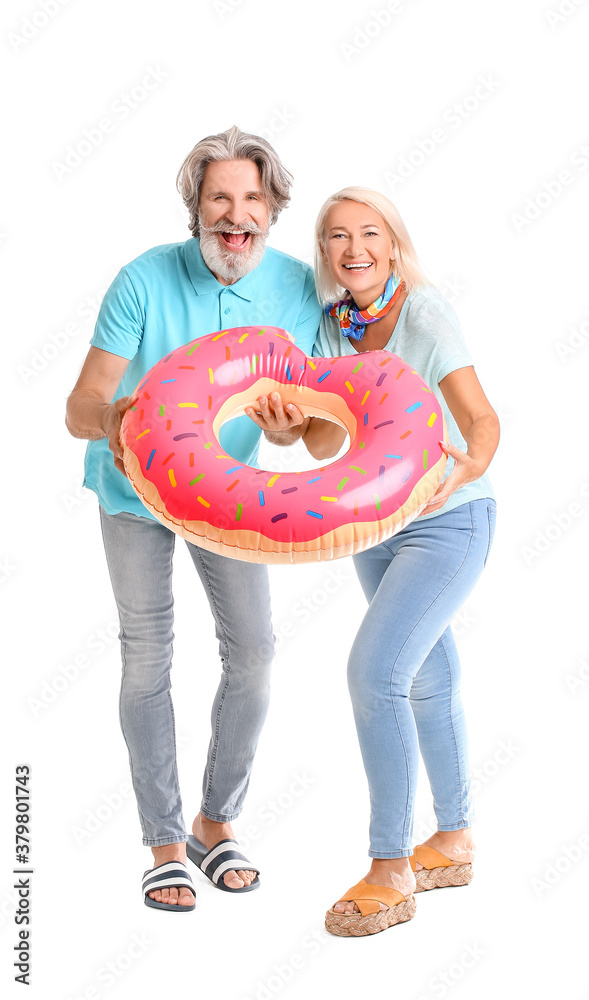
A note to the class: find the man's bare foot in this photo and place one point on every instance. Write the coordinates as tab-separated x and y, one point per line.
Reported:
161	855
210	833
395	873
456	845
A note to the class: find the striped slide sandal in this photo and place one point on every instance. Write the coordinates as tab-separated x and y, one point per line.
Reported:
171	875
223	857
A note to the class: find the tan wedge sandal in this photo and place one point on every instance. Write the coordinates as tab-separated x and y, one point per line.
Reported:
371	918
437	871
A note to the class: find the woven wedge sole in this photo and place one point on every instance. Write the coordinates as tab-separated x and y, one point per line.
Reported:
355	925
441	878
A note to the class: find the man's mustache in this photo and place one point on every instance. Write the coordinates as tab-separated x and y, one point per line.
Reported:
223	226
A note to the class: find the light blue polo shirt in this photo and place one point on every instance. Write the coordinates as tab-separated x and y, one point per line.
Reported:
427	335
167	297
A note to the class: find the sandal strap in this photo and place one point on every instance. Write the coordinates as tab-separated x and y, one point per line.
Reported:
429	858
368	897
171	875
224	857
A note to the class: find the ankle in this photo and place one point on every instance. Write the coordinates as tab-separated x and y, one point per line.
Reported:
456	845
394	872
201	820
396	866
203	827
456	838
169	852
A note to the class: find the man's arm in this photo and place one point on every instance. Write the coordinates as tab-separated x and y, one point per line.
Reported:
281	424
89	412
286	424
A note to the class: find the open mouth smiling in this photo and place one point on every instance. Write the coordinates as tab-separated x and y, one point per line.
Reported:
236	239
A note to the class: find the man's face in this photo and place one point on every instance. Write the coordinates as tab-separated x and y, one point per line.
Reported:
233	216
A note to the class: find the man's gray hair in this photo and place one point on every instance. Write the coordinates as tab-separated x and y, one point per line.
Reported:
233	145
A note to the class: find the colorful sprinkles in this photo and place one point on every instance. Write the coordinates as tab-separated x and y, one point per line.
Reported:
355	381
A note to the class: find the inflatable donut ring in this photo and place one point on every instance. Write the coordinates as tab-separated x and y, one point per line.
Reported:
176	465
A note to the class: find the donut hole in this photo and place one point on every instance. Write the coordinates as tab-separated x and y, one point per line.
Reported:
294	457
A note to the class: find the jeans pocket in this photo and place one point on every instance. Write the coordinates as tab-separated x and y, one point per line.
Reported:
492	517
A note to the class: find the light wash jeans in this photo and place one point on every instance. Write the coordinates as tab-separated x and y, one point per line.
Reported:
139	555
404	671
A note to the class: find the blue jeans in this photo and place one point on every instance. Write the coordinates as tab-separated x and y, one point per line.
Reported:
139	555
404	671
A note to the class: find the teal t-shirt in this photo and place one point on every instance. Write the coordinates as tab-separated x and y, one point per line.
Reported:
167	297
428	337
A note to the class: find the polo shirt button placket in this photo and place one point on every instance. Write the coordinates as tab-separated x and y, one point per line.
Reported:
223	298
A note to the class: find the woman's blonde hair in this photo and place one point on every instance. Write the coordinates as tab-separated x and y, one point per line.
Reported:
233	145
406	265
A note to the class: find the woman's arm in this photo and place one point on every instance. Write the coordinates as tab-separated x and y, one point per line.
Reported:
479	425
323	438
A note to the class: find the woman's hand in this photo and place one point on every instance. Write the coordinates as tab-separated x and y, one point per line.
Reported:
479	425
282	424
466	470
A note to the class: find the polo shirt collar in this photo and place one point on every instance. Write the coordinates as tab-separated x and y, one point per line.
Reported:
204	281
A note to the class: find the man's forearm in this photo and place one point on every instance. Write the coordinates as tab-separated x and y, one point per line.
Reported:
85	415
288	436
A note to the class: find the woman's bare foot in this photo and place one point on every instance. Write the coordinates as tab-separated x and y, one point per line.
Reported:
395	873
161	855
210	833
456	845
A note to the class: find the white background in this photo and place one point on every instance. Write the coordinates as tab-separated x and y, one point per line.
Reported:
344	91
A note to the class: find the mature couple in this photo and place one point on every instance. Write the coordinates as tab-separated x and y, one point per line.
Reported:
403	668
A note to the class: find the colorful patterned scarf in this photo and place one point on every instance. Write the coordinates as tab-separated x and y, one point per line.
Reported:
353	321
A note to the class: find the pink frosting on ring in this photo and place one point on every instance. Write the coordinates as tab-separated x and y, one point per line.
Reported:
176	465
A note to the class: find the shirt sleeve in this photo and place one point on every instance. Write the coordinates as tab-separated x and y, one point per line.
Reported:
318	349
323	348
121	320
307	324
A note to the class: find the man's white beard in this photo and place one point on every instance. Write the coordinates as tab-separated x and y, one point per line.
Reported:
228	264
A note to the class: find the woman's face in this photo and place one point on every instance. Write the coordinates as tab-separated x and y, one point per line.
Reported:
358	250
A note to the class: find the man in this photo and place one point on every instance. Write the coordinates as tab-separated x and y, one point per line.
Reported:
234	187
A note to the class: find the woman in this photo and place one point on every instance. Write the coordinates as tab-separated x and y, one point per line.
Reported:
404	669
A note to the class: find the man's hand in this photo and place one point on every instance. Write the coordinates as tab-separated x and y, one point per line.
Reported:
113	417
282	424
